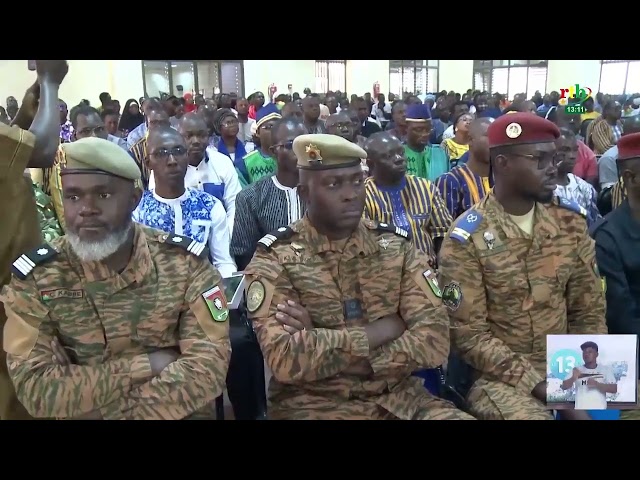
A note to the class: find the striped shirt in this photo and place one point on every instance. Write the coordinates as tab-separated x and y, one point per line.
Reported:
139	153
414	205
461	189
618	194
602	135
261	208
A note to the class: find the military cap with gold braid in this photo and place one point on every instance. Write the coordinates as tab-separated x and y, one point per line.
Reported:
95	155
322	151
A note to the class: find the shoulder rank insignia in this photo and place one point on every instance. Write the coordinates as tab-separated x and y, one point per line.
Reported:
386	227
198	249
26	262
571	205
280	234
466	225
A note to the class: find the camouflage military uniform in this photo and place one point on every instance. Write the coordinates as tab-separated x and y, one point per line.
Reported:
344	285
49	224
19	231
109	322
507	291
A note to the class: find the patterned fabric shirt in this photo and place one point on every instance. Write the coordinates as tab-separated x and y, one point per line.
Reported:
583	193
415	205
461	189
66	132
195	214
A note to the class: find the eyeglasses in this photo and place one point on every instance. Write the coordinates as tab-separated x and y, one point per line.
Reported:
543	161
87	132
342	126
288	145
165	153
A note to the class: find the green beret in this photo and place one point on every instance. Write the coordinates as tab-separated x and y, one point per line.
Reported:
322	151
95	155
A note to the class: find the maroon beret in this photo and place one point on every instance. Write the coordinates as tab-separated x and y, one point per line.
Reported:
629	146
521	128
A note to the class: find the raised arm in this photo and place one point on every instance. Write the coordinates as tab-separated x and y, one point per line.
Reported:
307	355
44	124
425	343
48	390
199	374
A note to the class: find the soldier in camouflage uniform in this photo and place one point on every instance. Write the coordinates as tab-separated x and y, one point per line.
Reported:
515	270
345	309
30	143
136	320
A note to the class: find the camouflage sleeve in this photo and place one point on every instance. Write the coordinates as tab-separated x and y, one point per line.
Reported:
305	356
48	390
470	332
585	292
425	343
198	376
16	146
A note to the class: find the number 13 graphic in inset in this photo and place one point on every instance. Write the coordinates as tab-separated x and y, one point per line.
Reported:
563	362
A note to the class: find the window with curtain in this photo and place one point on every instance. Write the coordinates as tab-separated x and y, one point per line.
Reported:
331	75
414	76
618	77
510	77
195	76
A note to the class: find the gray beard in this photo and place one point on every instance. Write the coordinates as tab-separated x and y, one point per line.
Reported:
97	251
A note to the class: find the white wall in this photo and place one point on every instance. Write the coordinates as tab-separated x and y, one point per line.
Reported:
259	74
362	74
123	78
564	73
456	75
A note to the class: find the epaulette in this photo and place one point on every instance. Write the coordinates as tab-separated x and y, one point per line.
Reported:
466	225
386	227
281	233
26	262
571	205
192	246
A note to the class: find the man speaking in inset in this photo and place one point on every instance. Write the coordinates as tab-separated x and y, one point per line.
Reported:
592	380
